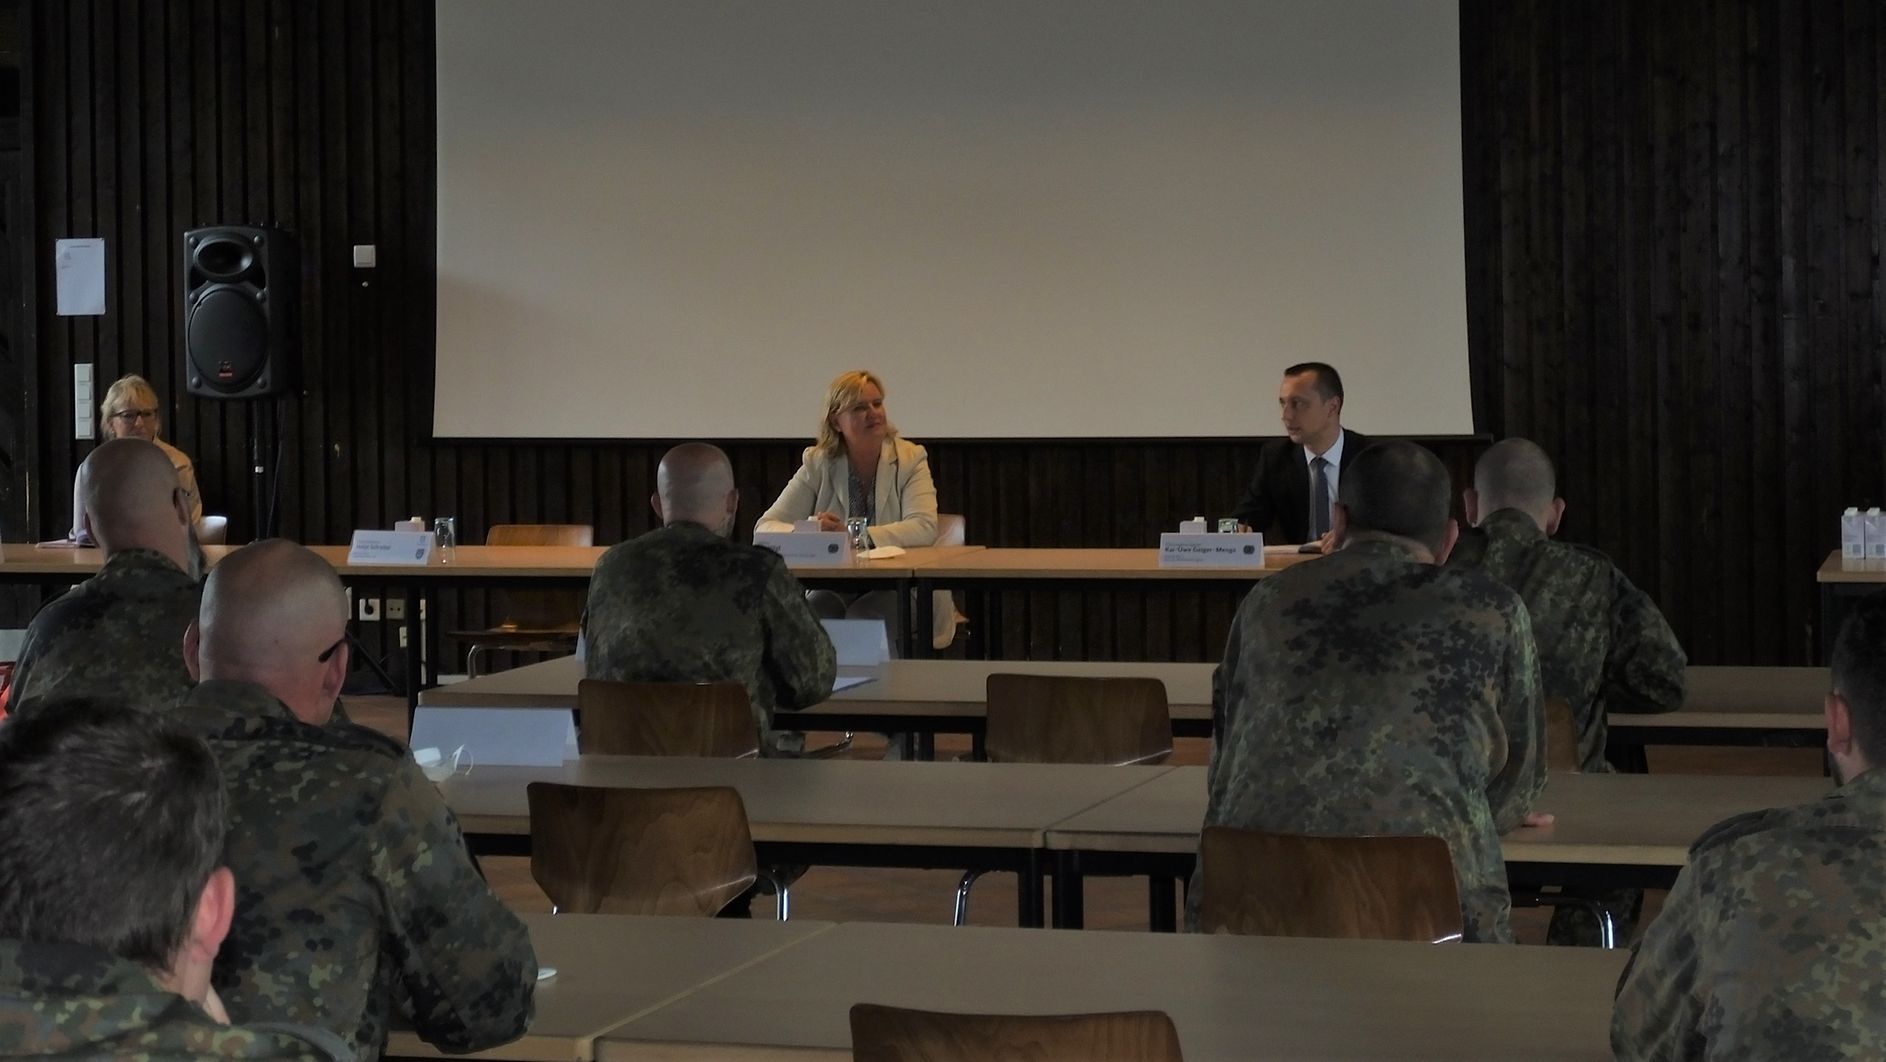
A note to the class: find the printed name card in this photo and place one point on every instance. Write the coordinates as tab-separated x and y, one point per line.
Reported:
808	549
1211	551
391	547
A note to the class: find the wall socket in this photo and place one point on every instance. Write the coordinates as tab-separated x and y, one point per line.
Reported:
369	609
396	609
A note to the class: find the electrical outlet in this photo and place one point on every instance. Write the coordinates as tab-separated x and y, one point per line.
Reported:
369	609
396	609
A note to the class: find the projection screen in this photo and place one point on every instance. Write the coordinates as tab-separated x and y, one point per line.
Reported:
1033	218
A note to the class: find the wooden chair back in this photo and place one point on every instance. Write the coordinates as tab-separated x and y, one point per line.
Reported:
665	719
1561	736
1295	885
540	610
1072	719
639	851
895	1034
213	531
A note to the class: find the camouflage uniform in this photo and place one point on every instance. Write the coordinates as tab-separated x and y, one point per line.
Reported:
682	604
1602	643
1368	693
72	1001
353	886
1773	942
116	636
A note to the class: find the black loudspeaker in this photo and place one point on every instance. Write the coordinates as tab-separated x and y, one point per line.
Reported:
239	286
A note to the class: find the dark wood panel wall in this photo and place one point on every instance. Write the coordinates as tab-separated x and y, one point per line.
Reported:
1673	223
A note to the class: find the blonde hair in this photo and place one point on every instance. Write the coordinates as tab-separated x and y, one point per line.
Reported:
128	392
845	391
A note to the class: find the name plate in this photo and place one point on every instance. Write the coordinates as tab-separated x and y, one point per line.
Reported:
808	549
391	547
1210	551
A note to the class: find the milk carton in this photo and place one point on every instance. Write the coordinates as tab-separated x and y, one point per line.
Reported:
1852	535
1875	538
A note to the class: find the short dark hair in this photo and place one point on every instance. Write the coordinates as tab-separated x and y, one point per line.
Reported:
1397	488
1328	380
1859	673
110	823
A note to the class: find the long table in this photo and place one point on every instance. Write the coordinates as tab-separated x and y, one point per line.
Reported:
1611	829
1725	706
964	816
1066	821
612	969
1229	997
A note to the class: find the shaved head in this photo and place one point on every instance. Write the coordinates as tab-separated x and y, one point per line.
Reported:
132	500
270	611
695	484
1515	474
1398	488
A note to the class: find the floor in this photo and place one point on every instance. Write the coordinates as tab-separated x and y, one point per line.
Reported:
925	896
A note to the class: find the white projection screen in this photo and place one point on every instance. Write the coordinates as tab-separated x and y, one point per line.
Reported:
1033	218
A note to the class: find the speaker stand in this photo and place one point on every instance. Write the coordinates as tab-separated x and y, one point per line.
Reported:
261	418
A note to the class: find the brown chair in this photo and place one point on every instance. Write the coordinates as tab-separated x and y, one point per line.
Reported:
1294	885
1561	736
535	621
1071	719
640	851
712	719
895	1034
213	531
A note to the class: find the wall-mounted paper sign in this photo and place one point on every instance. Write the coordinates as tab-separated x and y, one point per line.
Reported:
79	269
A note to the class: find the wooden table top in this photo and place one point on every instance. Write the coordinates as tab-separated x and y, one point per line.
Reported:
1730	698
1230	997
1603	819
864	802
605	976
1836	570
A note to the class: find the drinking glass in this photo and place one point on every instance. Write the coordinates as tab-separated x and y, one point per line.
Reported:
446	528
856	526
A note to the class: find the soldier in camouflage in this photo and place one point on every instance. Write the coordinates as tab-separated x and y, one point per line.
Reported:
355	890
1772	944
119	634
1603	644
111	832
1374	692
683	604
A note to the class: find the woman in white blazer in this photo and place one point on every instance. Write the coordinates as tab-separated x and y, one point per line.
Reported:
859	466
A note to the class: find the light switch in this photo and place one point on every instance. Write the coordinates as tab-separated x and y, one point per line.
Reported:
364	256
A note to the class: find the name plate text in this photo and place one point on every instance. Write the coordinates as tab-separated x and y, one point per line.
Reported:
391	547
1177	550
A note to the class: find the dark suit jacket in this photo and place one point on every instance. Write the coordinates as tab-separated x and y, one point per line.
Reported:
1278	500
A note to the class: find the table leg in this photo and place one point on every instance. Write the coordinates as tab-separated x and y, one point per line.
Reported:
919	746
1069	892
1028	913
921	643
415	679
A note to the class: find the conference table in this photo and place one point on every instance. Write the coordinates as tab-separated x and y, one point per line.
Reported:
645	988
1066	821
1612	831
922	698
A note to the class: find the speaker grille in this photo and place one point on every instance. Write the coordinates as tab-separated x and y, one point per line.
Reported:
228	339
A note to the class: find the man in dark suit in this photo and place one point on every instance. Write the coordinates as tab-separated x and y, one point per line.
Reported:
1290	496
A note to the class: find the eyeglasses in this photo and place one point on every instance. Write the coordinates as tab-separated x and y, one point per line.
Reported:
132	416
328	653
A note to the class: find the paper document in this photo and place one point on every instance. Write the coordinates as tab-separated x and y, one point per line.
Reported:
79	266
846	682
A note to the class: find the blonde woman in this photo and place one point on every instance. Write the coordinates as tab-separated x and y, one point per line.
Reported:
859	466
129	411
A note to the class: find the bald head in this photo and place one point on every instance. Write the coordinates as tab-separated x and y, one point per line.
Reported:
270	611
695	484
131	499
1516	474
1398	489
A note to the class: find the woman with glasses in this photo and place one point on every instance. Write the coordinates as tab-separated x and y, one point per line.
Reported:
129	411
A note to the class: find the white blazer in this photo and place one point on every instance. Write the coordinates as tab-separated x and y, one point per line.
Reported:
906	498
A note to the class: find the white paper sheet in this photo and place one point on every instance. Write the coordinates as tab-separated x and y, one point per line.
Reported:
79	266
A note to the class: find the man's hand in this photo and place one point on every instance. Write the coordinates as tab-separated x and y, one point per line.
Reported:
830	522
1539	819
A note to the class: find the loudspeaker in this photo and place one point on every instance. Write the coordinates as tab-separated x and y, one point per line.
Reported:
239	286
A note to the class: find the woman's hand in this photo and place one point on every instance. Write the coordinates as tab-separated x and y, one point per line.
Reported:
830	522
